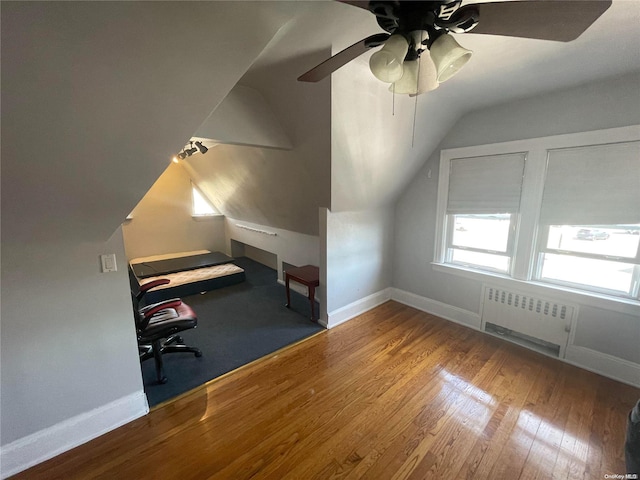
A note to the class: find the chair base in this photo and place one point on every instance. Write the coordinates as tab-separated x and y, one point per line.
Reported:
173	344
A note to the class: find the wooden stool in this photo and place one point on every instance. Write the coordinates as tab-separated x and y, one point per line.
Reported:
309	276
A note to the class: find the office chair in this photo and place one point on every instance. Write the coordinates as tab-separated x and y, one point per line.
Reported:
157	327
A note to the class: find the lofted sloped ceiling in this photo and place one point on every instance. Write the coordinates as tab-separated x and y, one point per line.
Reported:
279	188
243	118
374	146
97	97
375	149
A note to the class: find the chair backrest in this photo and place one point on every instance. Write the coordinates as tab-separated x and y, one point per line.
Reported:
142	319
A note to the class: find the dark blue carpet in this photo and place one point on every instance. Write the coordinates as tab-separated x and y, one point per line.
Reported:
236	325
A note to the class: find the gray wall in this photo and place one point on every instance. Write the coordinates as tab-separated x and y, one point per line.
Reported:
374	152
359	247
606	104
94	104
373	156
68	340
617	334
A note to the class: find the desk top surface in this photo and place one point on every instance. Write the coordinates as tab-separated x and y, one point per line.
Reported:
308	274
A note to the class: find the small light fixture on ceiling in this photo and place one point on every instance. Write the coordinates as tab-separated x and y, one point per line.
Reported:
448	56
201	147
187	152
191	150
386	63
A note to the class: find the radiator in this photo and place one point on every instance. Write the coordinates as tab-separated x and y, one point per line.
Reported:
527	316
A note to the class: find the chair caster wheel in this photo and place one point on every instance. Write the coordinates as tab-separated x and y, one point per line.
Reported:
198	354
162	381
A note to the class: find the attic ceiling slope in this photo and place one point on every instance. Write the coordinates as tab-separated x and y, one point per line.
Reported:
103	94
244	118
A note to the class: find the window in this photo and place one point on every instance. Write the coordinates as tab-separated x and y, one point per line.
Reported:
564	210
481	241
201	206
482	207
590	218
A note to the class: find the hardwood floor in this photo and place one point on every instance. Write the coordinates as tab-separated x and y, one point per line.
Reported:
393	394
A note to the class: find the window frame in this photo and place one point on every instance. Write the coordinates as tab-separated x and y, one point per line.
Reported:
509	252
542	242
529	237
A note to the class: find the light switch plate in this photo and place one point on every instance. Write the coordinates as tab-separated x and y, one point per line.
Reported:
108	263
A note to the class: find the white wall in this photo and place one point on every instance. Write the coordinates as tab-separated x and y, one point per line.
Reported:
162	222
600	105
290	247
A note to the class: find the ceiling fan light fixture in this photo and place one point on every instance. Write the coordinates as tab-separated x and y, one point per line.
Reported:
448	56
419	77
386	63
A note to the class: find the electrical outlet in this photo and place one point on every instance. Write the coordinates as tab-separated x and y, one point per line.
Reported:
108	263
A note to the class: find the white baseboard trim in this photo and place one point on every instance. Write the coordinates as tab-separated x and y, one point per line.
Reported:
343	314
49	442
439	309
604	364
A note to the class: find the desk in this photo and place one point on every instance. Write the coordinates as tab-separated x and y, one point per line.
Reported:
309	276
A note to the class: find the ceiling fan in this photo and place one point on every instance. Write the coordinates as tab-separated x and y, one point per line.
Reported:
418	51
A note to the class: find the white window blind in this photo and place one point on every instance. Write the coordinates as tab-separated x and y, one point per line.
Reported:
489	184
592	185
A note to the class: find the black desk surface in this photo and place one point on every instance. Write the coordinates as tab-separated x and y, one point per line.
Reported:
172	265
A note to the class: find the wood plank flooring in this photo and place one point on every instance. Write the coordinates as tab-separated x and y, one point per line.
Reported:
393	394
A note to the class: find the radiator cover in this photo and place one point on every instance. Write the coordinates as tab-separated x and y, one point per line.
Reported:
529	315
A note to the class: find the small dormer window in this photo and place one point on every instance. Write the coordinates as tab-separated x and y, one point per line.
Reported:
201	206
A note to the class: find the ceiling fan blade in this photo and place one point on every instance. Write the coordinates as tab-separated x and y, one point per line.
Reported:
558	20
329	66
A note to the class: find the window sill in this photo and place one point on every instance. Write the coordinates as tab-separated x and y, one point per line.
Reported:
205	218
556	292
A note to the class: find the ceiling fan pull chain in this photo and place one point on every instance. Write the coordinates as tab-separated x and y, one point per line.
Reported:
415	105
393	99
